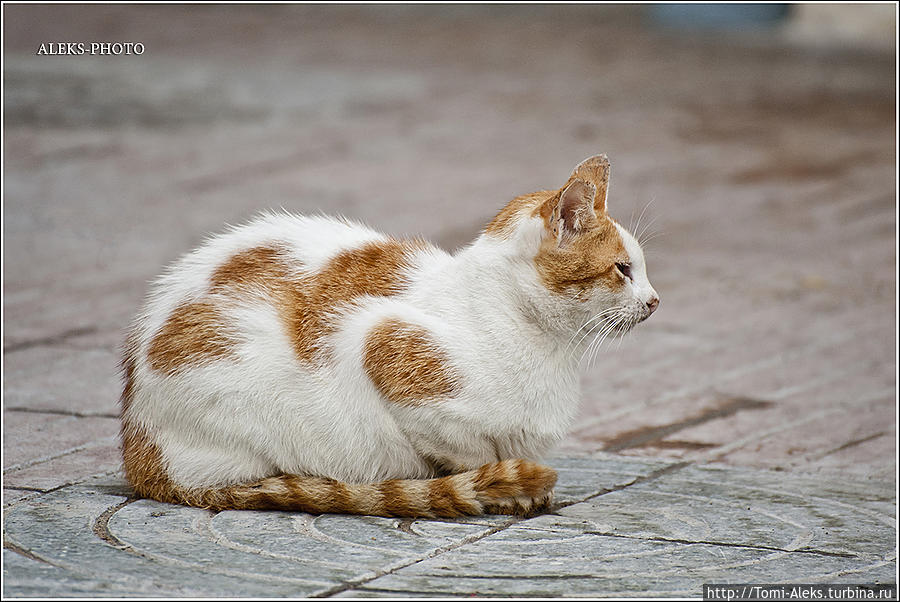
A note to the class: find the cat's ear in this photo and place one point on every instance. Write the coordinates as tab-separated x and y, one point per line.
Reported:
595	170
574	211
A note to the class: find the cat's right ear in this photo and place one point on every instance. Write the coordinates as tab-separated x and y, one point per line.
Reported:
573	212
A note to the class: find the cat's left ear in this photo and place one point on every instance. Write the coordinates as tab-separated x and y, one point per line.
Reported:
596	171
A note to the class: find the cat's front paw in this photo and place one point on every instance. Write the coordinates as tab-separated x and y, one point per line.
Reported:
521	506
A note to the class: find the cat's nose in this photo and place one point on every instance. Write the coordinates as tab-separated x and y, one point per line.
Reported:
652	304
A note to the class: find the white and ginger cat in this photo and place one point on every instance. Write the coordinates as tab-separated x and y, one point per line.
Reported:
312	364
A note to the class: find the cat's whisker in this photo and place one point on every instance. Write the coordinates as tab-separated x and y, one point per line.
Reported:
598	316
583	353
587	334
651	236
599	336
595	351
587	352
623	326
577	346
616	328
603	314
597	343
628	324
580	328
646	227
641	216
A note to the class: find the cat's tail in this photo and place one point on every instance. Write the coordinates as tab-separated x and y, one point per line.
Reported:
505	487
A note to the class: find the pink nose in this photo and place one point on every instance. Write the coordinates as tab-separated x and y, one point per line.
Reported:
652	304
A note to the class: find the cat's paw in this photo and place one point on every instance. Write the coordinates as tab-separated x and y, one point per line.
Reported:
521	506
517	487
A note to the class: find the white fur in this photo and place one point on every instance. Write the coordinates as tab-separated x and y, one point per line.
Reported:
506	336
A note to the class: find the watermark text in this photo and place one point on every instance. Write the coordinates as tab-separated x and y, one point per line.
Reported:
795	591
90	48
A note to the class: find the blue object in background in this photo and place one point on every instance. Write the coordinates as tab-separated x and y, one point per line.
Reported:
718	16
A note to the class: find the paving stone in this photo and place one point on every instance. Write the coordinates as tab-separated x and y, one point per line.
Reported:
35	437
82	381
98	456
24	441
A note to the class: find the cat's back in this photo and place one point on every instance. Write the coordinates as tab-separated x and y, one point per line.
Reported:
272	282
293	241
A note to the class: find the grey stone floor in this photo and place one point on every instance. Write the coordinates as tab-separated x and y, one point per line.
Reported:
622	527
760	399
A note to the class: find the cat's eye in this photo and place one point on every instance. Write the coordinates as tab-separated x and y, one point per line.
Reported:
625	268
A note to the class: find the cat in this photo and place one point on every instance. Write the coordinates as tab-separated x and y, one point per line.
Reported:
312	364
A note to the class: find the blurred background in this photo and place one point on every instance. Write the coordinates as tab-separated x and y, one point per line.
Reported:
758	142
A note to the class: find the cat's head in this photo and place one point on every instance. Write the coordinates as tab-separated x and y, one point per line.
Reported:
576	262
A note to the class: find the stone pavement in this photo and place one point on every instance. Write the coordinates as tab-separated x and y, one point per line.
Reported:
755	412
622	527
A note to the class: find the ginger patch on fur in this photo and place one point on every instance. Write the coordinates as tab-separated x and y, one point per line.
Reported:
144	465
262	269
375	269
504	223
405	364
194	333
583	262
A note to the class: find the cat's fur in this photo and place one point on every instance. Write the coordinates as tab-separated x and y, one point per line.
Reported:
312	364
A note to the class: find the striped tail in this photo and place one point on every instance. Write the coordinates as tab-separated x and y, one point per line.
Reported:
505	487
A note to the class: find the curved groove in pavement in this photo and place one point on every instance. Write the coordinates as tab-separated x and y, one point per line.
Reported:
101	530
